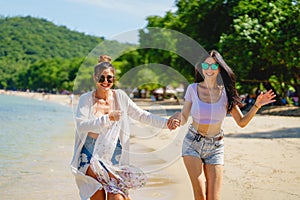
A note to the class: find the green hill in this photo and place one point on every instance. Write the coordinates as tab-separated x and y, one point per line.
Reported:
28	44
28	38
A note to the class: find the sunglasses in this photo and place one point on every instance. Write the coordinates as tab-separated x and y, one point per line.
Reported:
213	66
109	78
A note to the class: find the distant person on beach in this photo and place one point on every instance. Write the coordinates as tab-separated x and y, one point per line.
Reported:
71	98
101	155
209	100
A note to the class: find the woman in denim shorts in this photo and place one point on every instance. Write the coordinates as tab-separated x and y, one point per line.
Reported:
208	101
101	163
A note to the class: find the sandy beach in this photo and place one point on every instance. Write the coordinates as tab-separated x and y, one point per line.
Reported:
261	162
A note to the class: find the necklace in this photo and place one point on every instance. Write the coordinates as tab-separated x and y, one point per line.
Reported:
101	106
101	100
217	87
209	95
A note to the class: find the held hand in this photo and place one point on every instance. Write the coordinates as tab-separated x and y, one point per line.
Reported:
115	115
174	121
265	98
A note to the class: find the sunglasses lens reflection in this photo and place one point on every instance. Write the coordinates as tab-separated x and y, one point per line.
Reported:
204	66
214	66
102	78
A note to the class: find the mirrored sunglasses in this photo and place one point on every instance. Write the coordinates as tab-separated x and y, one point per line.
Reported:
213	66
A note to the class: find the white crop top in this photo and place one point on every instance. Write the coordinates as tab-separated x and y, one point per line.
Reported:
206	113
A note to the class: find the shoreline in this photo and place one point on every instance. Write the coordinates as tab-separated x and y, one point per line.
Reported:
62	99
147	104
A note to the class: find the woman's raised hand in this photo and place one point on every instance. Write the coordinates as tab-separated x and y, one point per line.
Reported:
115	115
265	98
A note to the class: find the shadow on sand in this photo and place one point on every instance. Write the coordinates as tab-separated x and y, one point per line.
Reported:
275	134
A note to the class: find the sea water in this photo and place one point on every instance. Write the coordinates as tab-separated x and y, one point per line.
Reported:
27	129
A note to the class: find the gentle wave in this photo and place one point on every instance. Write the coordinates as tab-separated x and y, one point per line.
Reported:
27	127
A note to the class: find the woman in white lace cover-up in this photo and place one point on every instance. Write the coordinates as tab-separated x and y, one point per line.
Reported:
101	161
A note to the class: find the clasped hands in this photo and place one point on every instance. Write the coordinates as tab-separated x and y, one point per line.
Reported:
174	121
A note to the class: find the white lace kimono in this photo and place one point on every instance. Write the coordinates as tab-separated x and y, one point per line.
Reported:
125	175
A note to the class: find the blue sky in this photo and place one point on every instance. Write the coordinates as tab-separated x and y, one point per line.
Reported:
103	18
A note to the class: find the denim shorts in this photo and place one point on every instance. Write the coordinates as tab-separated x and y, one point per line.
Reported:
87	153
210	151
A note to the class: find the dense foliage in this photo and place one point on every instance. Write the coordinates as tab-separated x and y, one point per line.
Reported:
264	45
258	39
38	55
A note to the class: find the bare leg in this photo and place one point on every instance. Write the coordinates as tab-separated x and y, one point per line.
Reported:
213	174
100	194
111	196
194	167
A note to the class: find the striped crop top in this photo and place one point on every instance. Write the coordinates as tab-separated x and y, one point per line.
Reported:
206	113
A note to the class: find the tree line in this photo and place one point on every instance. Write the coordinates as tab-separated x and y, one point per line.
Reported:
259	40
37	55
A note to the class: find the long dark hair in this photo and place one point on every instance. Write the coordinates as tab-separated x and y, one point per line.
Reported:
226	78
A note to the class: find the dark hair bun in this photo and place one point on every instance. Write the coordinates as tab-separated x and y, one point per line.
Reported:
104	58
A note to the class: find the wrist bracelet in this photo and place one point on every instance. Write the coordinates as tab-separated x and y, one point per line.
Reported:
256	106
